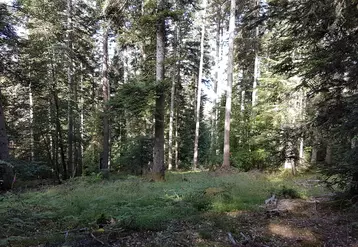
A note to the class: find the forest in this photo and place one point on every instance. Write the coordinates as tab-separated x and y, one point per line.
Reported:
178	122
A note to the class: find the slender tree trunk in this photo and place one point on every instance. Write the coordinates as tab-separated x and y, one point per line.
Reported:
53	135
226	162
314	155
242	104
328	158
176	141
214	115
105	88
256	62
4	146
256	76
172	97
58	123
31	111
59	132
76	131
80	168
70	83
301	151
314	151
198	97
158	171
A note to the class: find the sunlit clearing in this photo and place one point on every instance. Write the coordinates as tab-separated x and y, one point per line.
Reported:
292	233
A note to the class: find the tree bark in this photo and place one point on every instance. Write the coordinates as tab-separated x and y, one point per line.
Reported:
198	97
301	152
81	127
214	115
70	132
256	62
158	171
226	162
328	158
31	111
314	155
105	90
172	98
58	123
256	75
176	141
53	135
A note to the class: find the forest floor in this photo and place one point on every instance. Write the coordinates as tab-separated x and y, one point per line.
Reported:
189	209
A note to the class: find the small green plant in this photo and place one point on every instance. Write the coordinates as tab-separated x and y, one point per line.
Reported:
200	201
286	192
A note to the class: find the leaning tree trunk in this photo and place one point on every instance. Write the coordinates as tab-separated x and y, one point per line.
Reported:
105	88
198	97
230	69
158	171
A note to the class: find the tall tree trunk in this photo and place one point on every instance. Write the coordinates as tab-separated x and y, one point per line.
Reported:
301	151
80	168
58	123
256	76
226	162
4	146
198	97
53	135
256	62
214	115
314	155
76	131
158	171
176	141
31	111
105	88
172	98
59	132
70	83
328	157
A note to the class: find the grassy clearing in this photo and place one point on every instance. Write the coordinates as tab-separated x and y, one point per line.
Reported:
133	203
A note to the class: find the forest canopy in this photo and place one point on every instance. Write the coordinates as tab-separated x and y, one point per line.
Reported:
144	87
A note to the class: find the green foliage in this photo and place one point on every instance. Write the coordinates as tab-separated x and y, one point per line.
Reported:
133	203
323	42
134	97
285	192
200	201
136	155
91	159
32	170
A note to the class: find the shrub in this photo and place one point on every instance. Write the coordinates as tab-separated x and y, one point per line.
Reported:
32	170
136	155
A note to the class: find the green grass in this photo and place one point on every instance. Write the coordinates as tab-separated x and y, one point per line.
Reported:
134	203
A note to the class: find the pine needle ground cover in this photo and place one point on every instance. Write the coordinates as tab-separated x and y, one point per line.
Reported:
59	214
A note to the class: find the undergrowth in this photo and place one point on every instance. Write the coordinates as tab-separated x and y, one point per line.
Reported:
132	203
